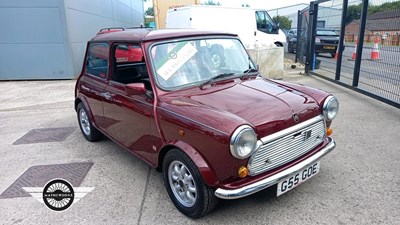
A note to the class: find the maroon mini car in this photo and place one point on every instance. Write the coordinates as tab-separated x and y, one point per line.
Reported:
193	105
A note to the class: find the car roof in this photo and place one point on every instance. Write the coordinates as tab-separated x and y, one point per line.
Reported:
144	34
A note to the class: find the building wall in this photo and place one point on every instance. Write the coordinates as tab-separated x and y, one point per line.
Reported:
46	39
288	11
32	41
86	18
328	15
161	8
331	17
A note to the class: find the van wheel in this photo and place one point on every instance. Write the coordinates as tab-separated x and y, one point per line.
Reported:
290	48
185	186
87	128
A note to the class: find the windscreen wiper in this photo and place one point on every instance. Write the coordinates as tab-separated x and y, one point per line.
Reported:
250	70
219	76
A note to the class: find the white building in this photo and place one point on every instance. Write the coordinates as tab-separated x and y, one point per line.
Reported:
46	39
329	14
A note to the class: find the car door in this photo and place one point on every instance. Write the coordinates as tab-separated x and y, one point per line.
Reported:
94	80
128	116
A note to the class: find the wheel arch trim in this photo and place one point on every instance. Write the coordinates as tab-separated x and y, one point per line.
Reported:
205	170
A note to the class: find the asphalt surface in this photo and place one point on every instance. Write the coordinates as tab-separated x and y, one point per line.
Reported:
358	182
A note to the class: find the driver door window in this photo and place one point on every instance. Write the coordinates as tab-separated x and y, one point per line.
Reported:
264	22
129	65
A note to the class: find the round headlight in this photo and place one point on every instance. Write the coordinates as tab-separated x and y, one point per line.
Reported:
243	142
330	108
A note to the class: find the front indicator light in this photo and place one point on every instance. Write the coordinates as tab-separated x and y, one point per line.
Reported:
243	172
329	131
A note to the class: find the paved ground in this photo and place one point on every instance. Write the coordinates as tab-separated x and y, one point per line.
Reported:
358	183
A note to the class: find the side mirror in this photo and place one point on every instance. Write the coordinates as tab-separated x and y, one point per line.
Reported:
276	27
135	89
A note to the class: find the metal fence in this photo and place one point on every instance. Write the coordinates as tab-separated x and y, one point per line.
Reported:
302	34
368	51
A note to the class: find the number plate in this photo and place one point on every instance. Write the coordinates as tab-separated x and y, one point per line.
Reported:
329	47
297	178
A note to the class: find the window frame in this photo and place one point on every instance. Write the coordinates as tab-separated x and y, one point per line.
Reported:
88	57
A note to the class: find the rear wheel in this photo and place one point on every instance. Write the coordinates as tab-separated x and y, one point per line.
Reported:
185	185
290	48
87	128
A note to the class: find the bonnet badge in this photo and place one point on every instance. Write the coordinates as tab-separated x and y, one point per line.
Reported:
296	117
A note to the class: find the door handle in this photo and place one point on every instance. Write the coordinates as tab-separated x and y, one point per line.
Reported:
106	95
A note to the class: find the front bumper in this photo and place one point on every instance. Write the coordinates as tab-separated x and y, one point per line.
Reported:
274	179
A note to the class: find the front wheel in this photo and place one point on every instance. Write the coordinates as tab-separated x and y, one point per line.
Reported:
185	186
87	128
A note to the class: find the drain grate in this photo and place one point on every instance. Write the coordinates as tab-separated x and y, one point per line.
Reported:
45	135
38	176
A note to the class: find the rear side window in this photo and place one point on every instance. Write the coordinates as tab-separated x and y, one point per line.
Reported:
97	60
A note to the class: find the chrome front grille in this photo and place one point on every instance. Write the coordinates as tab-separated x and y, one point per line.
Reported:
285	146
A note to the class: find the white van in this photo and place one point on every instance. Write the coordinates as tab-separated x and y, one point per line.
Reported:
254	27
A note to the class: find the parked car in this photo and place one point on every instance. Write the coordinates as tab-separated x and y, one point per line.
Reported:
292	33
214	128
326	41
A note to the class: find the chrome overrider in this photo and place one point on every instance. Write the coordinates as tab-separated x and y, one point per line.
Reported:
274	179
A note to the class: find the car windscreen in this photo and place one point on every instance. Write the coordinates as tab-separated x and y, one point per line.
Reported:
192	62
326	33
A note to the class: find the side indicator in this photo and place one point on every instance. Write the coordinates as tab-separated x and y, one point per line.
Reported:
243	172
181	132
329	131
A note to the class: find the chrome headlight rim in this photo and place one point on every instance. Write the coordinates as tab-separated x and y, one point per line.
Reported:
237	134
326	106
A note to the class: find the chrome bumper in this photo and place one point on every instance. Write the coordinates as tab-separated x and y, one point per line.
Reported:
269	181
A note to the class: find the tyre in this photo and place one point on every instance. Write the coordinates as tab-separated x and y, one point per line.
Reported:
290	48
185	186
87	128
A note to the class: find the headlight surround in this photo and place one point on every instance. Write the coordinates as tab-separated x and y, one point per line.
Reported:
243	142
330	108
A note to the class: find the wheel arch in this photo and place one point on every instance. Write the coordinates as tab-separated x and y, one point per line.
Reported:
205	170
86	104
278	44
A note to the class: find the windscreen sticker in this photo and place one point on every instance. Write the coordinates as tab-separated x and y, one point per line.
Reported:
175	59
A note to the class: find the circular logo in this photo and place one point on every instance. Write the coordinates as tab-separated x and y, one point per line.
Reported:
173	55
58	195
296	117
